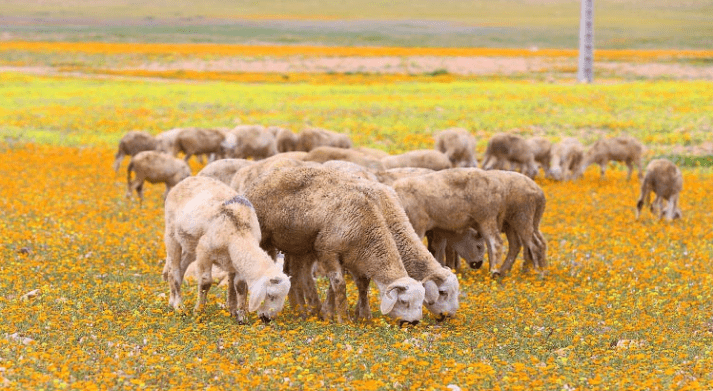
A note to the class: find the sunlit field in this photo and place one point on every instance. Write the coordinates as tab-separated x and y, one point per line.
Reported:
624	304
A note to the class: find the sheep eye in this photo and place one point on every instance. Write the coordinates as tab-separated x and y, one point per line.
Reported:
270	297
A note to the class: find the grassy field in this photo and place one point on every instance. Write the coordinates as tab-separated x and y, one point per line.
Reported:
624	305
453	23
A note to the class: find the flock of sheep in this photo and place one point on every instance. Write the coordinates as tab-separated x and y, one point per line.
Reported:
273	208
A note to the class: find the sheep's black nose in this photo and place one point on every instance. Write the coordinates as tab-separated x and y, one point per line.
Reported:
476	265
441	318
414	323
265	319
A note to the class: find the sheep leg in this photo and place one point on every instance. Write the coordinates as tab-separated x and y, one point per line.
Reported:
494	243
118	159
362	309
311	295
330	263
603	167
452	258
239	288
630	168
172	272
205	279
514	246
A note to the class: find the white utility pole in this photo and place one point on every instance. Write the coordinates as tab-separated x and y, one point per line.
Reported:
585	74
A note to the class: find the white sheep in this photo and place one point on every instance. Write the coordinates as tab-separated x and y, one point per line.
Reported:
541	149
209	223
154	167
326	153
459	145
567	157
199	141
506	148
423	158
132	143
311	138
223	169
664	178
620	149
249	141
316	210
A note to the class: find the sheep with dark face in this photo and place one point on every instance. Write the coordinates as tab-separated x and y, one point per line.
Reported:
619	149
315	211
567	156
505	148
459	145
223	169
666	181
155	167
487	201
423	158
209	223
132	143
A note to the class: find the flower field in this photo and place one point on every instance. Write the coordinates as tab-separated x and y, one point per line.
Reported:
625	303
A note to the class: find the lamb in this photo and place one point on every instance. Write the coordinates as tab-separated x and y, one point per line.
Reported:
354	169
664	178
311	138
286	141
155	167
209	223
424	158
223	169
372	152
326	153
467	244
621	149
488	201
315	211
459	145
541	148
567	156
132	143
509	148
197	141
250	141
167	140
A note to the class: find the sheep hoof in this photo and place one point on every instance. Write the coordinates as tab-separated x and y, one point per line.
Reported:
240	316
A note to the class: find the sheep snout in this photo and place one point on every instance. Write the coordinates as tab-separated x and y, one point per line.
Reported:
476	265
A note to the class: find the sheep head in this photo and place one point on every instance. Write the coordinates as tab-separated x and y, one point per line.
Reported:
403	300
267	296
441	295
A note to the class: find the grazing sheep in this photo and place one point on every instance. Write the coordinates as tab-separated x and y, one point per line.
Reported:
488	201
325	153
311	138
316	210
286	141
132	143
567	156
666	181
620	149
459	145
372	152
223	169
155	167
389	176
209	223
509	148
197	141
541	148
250	141
167	140
424	158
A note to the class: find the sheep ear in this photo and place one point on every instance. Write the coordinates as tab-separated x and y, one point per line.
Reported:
258	291
431	291
388	301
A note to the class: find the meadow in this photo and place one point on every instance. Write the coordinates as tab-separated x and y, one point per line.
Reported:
625	303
